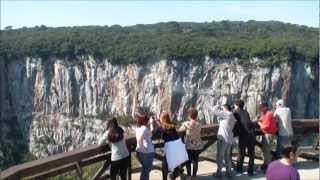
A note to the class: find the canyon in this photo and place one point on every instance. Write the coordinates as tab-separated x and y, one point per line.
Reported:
54	105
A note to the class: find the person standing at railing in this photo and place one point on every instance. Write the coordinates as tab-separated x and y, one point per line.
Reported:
145	147
193	141
225	138
268	127
284	122
247	140
174	147
119	152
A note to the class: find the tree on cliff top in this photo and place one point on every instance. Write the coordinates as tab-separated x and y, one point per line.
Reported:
172	40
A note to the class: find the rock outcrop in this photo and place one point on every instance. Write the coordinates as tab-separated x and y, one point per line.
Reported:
50	106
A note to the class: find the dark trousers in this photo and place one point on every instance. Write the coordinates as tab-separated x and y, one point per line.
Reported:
165	170
119	167
193	159
246	142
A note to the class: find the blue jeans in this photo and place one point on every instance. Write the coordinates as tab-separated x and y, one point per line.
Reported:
223	154
146	160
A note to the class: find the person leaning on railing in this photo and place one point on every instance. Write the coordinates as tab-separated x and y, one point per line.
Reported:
114	135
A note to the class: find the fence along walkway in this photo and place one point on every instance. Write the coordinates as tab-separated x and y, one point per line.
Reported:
75	160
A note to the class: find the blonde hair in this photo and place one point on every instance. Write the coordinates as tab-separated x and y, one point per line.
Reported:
165	121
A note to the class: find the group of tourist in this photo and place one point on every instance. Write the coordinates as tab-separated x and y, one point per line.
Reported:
232	122
237	122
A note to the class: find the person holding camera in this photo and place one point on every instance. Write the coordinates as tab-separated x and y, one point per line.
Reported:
225	138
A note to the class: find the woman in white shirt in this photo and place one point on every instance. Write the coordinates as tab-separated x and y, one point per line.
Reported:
145	147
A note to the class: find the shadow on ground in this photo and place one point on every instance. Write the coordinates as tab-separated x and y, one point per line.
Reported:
257	176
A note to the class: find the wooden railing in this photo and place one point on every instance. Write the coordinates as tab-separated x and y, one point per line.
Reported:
78	159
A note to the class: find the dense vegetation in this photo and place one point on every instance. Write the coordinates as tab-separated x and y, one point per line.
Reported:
172	40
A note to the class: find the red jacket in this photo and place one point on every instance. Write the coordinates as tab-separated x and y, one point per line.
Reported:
268	123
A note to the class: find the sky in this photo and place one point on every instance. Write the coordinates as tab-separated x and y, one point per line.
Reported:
55	13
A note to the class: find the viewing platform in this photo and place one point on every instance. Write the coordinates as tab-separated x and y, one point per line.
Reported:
78	159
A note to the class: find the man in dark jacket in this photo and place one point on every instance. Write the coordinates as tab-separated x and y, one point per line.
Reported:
245	130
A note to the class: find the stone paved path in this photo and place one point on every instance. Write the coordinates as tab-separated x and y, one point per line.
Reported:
309	170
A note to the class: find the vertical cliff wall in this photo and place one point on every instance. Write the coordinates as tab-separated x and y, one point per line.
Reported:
52	105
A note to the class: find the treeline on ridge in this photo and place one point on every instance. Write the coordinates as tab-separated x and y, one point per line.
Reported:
172	40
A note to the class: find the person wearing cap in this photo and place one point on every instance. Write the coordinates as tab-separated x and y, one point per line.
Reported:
268	127
284	122
225	138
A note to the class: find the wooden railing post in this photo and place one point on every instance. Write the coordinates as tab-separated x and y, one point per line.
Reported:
129	171
101	170
79	170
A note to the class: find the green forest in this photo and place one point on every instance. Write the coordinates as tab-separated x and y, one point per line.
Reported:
274	40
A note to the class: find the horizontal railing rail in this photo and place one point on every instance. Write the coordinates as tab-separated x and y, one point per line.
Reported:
77	159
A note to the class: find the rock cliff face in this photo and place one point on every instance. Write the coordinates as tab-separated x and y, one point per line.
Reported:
50	106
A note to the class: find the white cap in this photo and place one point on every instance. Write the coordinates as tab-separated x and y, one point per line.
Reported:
280	103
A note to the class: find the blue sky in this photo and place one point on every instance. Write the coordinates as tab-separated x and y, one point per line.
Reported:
74	13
